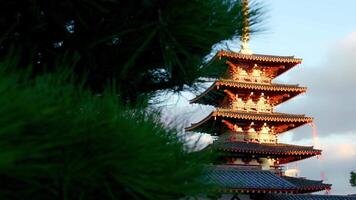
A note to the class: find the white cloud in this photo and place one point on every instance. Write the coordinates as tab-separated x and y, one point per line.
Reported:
335	165
331	98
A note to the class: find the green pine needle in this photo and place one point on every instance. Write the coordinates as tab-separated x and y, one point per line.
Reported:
58	141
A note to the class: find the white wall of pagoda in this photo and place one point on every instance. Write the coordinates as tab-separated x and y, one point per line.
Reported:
246	73
252	102
249	105
257	103
250	134
263	163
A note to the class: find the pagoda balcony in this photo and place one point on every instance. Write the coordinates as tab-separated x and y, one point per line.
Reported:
250	106
248	74
251	79
276	169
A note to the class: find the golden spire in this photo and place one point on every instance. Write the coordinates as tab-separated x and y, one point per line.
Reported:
245	35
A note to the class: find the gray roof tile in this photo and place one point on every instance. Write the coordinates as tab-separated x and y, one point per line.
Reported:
306	197
234	179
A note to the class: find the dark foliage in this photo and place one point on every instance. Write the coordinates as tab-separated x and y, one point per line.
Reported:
145	45
353	179
59	141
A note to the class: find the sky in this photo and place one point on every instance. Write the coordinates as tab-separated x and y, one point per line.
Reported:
323	34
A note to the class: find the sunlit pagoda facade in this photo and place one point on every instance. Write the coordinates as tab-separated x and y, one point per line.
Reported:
251	159
247	127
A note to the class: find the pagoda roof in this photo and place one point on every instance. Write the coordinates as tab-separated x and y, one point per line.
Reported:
259	57
307	185
209	124
307	197
264	148
265	60
280	117
213	96
263	87
231	179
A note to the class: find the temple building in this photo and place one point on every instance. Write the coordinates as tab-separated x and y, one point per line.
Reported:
251	159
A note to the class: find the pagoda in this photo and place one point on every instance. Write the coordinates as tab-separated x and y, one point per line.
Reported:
251	160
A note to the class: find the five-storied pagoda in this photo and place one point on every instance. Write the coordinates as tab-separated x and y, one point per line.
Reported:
251	158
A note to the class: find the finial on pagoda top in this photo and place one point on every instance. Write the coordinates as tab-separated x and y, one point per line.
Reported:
245	33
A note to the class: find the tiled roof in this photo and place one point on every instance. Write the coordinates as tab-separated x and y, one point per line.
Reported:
264	148
306	185
278	117
263	87
212	94
259	57
211	123
306	197
278	64
230	179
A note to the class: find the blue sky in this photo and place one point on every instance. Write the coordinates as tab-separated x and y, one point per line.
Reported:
305	28
323	34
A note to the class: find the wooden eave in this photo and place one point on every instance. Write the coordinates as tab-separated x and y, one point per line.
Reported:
294	150
259	57
250	87
261	87
253	116
275	191
287	61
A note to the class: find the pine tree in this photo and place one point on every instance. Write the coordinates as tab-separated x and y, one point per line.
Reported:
353	179
58	141
145	45
68	136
